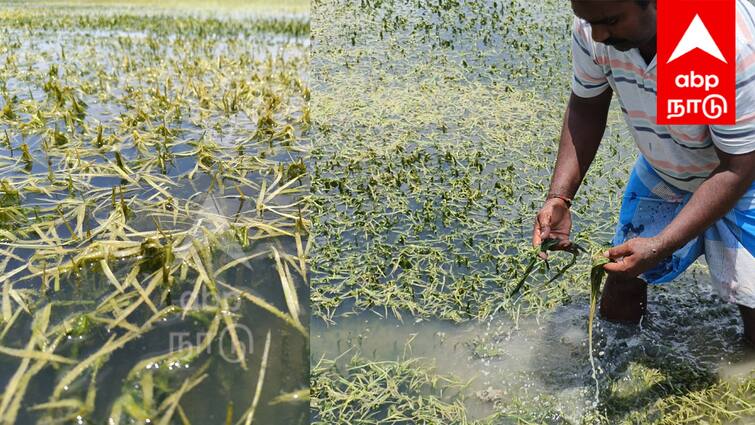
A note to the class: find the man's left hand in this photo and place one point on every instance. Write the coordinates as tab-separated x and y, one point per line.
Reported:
635	256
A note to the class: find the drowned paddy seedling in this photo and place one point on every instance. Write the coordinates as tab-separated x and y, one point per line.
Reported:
597	274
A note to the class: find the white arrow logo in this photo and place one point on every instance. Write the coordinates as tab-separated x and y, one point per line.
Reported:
697	37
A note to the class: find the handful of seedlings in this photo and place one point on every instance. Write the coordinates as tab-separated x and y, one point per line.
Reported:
547	245
597	273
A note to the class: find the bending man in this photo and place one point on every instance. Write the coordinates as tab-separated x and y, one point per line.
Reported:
691	191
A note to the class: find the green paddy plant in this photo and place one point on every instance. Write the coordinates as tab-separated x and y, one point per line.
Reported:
385	392
7	111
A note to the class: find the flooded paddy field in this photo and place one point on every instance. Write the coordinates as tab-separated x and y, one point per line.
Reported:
153	233
435	128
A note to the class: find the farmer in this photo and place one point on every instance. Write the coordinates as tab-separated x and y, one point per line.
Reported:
691	191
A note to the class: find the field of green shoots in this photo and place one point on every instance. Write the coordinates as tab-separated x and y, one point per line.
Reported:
153	230
435	128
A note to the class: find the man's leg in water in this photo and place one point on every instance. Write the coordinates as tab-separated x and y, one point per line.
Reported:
748	317
625	299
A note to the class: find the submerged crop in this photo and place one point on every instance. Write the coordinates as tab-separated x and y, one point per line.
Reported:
153	234
435	129
428	157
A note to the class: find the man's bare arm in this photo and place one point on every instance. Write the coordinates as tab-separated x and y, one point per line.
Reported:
583	128
711	201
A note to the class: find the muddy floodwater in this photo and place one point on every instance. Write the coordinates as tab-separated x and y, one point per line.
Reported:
688	337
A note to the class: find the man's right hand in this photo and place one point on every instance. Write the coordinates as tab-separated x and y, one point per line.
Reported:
553	221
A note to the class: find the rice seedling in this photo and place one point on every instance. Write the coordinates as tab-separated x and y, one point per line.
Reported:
597	273
135	268
547	245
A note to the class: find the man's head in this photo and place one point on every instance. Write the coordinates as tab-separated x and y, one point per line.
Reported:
623	24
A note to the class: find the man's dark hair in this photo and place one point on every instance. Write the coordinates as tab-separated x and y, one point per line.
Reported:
643	3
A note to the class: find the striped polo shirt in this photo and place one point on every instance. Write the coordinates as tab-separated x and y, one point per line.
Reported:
683	155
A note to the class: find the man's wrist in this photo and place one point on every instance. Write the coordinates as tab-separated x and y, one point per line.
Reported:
566	199
667	245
